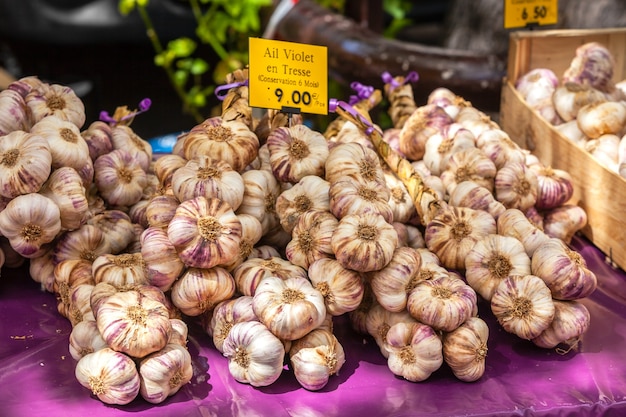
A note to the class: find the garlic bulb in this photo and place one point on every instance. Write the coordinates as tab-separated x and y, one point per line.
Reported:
424	122
162	263
260	194
225	315
492	259
443	303
364	242
230	141
440	146
523	305
554	186
201	289
454	231
40	269
124	137
133	323
315	358
359	196
13	113
161	209
514	223
164	372
605	149
180	331
26	163
592	65
352	160
119	178
290	308
117	228
251	234
470	194
571	131
569	98
499	147
122	270
392	284
564	221
571	321
445	98
516	186
67	146
64	186
311	238
54	99
29	222
98	138
402	206
469	165
310	193
597	119
537	87
379	320
251	272
342	288
207	177
79	304
85	339
415	351
205	232
255	355
563	270
465	349
296	152
110	375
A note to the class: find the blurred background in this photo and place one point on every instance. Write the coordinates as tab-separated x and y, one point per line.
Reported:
109	60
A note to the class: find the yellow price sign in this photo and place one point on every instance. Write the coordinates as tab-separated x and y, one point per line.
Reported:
288	75
522	13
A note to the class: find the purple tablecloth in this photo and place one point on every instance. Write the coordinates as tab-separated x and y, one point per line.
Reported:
37	372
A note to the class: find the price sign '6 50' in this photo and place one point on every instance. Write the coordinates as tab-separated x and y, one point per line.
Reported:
288	75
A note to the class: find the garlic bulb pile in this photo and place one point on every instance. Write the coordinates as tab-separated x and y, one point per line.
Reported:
584	104
266	230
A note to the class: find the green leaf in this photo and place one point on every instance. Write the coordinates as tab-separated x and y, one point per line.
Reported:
198	66
182	47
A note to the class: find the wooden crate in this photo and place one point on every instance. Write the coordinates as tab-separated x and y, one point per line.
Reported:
600	191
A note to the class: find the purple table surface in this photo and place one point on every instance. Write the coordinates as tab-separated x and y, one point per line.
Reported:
37	371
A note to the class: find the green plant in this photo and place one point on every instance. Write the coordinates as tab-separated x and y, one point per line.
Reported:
225	26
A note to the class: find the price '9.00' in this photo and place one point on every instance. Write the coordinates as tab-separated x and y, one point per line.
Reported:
297	97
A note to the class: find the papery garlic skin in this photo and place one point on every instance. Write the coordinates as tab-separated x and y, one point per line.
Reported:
523	305
597	119
255	355
354	161
514	223
593	64
564	221
119	178
563	270
134	324
13	114
516	186
162	263
554	186
315	357
65	187
199	290
537	87
67	146
289	308
571	321
358	196
470	194
54	99
123	270
259	199
205	232
25	163
470	164
392	284
342	288
443	303
30	221
569	98
164	372
364	242
84	339
424	122
454	231
296	152
379	320
465	349
492	259
415	351
111	376
226	314
251	272
311	238
310	193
